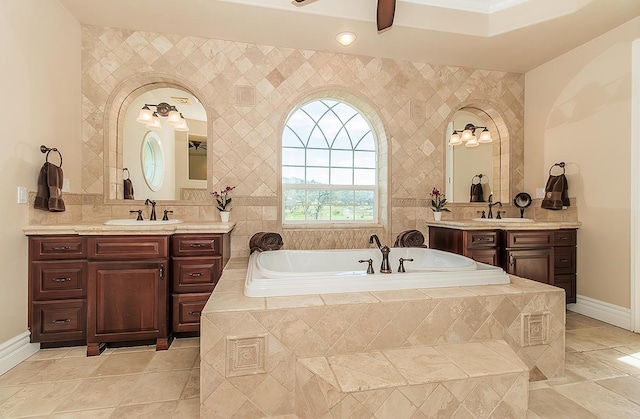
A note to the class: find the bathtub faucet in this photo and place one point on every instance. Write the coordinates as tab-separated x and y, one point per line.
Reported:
385	268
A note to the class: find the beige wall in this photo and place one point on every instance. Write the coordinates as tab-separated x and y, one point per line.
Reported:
578	110
40	79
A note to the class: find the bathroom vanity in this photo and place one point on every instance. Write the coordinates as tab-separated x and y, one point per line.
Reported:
545	252
95	285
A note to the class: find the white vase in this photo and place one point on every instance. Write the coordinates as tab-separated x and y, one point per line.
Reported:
224	216
437	215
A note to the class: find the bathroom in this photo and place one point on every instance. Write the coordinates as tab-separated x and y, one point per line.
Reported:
91	69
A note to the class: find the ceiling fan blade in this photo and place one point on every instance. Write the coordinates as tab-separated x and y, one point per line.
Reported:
386	11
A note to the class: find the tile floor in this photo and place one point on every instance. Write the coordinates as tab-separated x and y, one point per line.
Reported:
602	380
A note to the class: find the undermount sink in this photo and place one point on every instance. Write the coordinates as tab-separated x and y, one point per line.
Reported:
132	222
504	220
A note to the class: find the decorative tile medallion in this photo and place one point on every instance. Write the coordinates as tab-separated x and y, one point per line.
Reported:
246	355
535	329
245	96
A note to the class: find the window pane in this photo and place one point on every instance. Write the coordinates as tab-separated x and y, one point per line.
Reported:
293	175
289	139
330	125
318	157
364	202
344	111
317	140
294	204
293	156
316	175
341	158
315	110
301	124
318	205
357	127
342	141
364	177
366	143
342	205
342	176
365	159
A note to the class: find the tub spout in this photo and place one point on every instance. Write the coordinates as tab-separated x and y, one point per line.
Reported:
385	267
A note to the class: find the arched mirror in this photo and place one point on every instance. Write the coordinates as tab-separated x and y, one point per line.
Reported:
474	165
164	158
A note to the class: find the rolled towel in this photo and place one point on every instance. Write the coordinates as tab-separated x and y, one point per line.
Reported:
264	241
409	238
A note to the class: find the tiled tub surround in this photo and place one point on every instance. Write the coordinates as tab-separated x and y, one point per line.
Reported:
250	346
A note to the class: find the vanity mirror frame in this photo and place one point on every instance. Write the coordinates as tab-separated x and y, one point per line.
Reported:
116	107
487	112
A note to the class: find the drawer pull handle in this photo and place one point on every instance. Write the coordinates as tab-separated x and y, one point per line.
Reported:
197	245
563	260
63	321
196	274
563	238
61	247
194	313
61	279
483	239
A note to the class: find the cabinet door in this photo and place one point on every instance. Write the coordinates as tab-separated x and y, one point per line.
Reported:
568	282
127	301
59	321
536	264
196	274
186	311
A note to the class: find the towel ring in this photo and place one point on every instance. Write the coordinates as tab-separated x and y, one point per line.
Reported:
45	149
479	179
128	174
560	165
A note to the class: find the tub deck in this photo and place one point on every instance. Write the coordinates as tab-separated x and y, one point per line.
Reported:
250	346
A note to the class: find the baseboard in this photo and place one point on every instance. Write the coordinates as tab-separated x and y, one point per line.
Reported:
16	350
600	310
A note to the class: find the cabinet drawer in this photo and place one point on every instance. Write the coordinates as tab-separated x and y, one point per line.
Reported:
196	274
529	239
568	282
488	256
481	239
186	311
59	280
196	245
564	238
58	321
564	260
128	247
57	247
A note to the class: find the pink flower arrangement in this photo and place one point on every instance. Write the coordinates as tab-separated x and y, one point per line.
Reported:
438	201
222	198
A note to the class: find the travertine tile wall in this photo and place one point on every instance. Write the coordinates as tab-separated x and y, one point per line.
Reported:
249	90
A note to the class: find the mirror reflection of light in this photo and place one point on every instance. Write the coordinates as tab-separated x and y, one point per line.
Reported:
631	360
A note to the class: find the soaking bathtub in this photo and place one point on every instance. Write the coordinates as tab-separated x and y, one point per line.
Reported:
302	272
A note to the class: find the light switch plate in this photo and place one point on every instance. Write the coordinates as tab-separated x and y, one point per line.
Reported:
66	185
22	195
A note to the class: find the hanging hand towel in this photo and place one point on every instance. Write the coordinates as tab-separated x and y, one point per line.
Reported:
477	194
128	189
555	193
49	194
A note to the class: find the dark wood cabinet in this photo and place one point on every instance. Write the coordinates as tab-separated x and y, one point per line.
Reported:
97	290
128	291
547	256
197	262
57	290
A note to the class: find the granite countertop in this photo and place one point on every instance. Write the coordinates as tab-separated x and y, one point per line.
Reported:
497	224
100	229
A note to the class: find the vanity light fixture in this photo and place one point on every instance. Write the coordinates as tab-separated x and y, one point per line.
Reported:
468	135
152	121
346	38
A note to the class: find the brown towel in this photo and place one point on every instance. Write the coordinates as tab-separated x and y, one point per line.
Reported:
409	238
128	189
263	241
555	193
477	194
49	194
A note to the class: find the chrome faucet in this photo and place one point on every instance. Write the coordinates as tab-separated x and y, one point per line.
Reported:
152	217
490	215
385	268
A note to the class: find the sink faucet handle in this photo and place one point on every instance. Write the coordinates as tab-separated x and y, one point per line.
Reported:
402	261
165	217
498	217
370	267
139	218
483	213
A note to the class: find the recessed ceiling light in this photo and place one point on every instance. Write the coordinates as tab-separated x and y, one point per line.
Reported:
346	38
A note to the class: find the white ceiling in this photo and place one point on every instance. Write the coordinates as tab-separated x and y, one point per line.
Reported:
508	35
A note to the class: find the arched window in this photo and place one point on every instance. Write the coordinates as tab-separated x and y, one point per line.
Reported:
329	165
